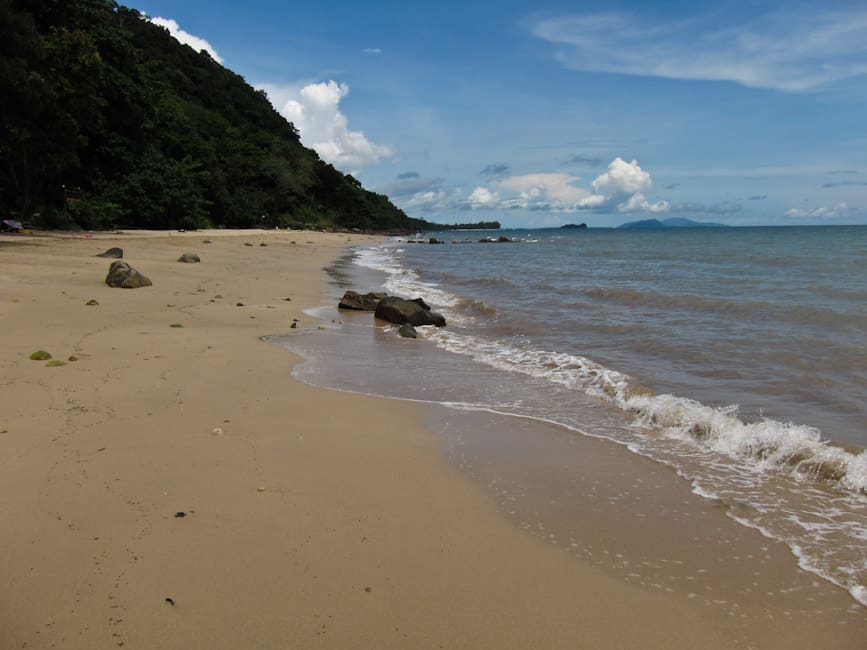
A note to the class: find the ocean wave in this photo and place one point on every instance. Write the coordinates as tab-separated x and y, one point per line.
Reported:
798	450
476	306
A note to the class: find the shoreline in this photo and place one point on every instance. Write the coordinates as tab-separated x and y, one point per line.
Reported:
312	518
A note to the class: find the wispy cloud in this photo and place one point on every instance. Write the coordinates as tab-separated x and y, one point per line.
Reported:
407	185
846	184
757	197
579	159
495	170
795	50
824	212
196	42
372	50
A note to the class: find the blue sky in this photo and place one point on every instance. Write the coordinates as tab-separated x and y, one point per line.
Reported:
544	113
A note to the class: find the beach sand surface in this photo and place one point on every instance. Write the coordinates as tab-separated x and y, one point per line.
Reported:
174	487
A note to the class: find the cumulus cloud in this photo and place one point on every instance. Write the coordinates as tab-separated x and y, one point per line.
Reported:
315	112
825	212
622	188
482	197
796	49
623	178
195	42
639	203
548	190
433	201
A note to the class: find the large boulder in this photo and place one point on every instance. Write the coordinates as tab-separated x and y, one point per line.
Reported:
113	252
189	258
360	302
407	331
399	311
121	274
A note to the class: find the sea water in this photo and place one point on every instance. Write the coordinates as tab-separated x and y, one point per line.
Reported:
735	356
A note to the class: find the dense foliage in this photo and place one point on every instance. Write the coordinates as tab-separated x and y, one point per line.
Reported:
479	225
108	120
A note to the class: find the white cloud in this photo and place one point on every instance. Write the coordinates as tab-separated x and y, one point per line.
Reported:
314	109
621	188
553	188
786	50
825	212
195	42
639	203
482	197
372	50
623	178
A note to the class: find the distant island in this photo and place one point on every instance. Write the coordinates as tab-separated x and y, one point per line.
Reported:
480	225
654	224
574	226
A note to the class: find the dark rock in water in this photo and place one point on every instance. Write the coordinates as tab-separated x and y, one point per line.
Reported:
407	331
207	241
399	311
496	240
114	252
122	275
91	302
434	240
246	243
189	258
360	302
263	244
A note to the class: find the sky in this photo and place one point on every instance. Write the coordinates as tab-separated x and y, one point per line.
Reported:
542	113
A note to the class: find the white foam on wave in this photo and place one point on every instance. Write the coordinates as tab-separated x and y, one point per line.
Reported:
756	451
765	445
405	282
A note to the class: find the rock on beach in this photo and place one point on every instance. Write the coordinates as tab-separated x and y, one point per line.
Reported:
399	311
122	275
360	302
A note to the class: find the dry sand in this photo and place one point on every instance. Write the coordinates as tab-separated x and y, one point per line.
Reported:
313	519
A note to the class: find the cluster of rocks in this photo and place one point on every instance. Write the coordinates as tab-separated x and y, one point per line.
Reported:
124	276
484	240
409	314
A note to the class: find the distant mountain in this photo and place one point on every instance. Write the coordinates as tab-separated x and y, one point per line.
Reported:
676	222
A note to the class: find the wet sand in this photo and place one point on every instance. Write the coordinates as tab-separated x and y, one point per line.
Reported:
311	518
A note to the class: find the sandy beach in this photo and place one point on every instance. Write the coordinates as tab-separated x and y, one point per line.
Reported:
174	486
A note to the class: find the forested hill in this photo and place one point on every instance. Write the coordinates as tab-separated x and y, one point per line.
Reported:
107	119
